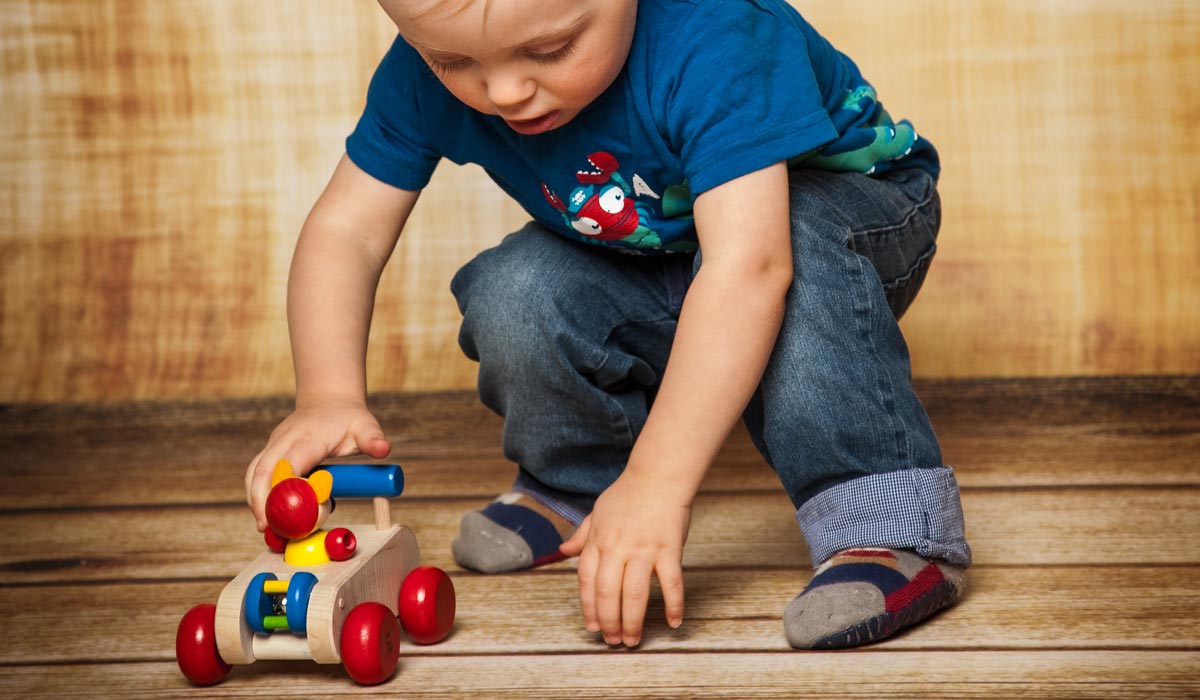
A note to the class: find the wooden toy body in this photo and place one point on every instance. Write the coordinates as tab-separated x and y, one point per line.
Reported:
374	574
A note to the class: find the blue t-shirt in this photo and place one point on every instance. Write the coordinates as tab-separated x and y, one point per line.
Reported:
712	90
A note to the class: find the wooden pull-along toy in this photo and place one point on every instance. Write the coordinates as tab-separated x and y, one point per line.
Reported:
332	597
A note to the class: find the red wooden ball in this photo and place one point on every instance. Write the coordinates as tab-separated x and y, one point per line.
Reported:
196	646
370	643
427	605
340	544
274	542
292	509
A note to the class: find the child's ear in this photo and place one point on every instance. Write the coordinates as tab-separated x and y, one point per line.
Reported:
283	470
321	482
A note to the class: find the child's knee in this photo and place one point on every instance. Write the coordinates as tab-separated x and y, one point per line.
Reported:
501	299
516	308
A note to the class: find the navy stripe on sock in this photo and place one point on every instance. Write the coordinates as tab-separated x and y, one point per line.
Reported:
882	577
538	532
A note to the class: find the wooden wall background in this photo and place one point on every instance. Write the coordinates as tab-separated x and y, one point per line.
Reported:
157	158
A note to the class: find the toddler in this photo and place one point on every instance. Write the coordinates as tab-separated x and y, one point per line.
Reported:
726	224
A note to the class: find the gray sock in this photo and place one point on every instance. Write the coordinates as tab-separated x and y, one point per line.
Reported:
512	533
863	595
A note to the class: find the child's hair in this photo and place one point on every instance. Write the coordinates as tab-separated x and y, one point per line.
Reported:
455	7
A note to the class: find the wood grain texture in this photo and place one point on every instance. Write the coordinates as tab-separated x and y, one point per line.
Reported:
156	163
996	433
727	610
1046	675
1085	581
1017	527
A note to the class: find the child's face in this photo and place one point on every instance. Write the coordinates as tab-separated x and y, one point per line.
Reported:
535	63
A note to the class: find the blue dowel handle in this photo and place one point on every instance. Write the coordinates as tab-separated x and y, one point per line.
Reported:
365	480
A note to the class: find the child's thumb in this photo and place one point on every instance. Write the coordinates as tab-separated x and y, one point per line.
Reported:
372	442
574	544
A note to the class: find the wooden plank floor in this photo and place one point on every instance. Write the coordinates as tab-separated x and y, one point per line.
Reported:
1082	499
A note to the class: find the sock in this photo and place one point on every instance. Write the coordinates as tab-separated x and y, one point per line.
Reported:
513	532
864	595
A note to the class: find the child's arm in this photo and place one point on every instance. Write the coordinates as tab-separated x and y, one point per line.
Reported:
343	247
727	328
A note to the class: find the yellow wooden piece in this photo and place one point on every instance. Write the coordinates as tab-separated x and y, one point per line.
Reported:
283	470
307	551
321	482
272	587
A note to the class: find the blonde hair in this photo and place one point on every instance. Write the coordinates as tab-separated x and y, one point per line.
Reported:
456	7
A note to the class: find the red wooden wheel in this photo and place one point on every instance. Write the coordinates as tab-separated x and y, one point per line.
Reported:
427	605
196	646
370	643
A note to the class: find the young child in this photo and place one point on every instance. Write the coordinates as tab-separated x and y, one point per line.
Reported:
726	224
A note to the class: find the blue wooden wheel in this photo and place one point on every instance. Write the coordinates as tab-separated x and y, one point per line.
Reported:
258	603
299	590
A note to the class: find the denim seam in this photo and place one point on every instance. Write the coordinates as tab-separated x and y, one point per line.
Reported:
884	384
920	264
908	217
916	208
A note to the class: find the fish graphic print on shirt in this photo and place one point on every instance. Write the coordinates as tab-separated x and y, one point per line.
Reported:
605	208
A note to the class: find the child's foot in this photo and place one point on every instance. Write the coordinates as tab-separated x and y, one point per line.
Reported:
513	532
863	595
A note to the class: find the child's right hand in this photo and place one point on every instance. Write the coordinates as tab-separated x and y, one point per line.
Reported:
309	435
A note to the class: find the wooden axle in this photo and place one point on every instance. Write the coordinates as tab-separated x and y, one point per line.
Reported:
383	513
280	647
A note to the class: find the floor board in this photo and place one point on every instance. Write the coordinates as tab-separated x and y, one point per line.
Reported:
870	675
747	529
1082	499
1086	607
997	434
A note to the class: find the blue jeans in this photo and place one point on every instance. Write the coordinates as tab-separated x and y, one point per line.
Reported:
572	341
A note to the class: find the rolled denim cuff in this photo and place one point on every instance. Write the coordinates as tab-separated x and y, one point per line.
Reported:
914	509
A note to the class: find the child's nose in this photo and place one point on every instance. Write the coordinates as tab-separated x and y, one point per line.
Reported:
509	89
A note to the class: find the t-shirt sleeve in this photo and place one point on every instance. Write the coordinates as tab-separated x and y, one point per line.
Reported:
741	95
390	142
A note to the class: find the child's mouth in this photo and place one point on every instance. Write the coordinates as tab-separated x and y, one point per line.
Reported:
529	127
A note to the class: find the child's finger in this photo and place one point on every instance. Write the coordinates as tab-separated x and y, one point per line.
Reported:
587	588
610	575
375	446
670	579
574	544
303	454
635	594
259	485
251	470
370	440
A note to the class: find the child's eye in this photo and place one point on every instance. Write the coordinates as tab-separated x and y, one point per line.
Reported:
554	56
443	67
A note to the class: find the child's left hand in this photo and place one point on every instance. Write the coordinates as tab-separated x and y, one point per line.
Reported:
635	530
